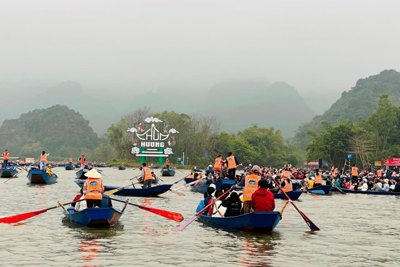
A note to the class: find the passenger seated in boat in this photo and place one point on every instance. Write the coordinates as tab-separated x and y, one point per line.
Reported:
263	199
93	189
385	186
317	178
397	186
233	205
377	186
208	198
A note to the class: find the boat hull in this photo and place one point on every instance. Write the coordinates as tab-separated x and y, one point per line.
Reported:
94	217
8	172
293	195
167	172
36	176
381	193
253	222
139	191
326	188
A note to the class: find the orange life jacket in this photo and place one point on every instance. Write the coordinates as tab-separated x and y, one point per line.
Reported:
250	186
288	186
231	162
286	174
43	158
82	160
6	155
354	171
147	174
318	179
93	188
217	164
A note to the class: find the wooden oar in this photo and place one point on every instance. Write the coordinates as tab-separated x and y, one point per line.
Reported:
186	185
113	191
175	216
310	224
23	216
176	191
186	224
340	190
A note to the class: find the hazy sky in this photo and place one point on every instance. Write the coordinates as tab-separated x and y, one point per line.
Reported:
319	47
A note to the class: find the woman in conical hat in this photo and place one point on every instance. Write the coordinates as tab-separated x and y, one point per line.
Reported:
93	188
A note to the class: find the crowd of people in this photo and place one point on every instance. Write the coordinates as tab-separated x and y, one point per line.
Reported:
255	186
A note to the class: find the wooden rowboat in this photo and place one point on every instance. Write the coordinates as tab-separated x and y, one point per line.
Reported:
95	217
368	192
36	176
253	221
167	171
139	191
294	195
8	172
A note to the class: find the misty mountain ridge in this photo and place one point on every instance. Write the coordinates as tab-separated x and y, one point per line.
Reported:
235	104
356	104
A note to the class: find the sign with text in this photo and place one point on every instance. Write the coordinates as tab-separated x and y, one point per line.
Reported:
149	141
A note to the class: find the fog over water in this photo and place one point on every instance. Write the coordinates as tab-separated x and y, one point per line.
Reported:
91	53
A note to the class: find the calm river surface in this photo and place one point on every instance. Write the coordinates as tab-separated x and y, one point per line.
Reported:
356	230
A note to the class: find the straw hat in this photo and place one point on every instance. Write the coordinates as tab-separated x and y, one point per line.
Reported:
93	173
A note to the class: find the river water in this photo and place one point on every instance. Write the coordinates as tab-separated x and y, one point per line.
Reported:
356	230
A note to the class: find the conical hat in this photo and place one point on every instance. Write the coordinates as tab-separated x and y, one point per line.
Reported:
93	173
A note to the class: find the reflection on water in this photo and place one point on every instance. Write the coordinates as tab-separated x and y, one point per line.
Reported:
360	230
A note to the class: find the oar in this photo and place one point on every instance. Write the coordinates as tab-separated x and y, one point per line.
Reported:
186	224
186	185
113	191
175	216
23	216
340	190
176	191
310	224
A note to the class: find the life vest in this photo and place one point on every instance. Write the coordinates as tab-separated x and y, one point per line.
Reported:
310	184
250	186
49	171
93	188
318	179
82	160
288	186
217	164
286	174
354	171
167	162
6	155
147	174
43	158
231	162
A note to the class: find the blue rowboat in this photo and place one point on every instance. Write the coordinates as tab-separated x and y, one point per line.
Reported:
139	191
252	222
167	171
316	192
69	167
8	172
36	176
368	192
81	174
294	195
95	217
326	188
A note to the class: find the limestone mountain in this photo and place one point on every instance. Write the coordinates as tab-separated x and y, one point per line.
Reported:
57	129
356	104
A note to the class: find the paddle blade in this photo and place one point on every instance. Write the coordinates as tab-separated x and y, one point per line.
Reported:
310	224
21	217
175	216
182	226
179	193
